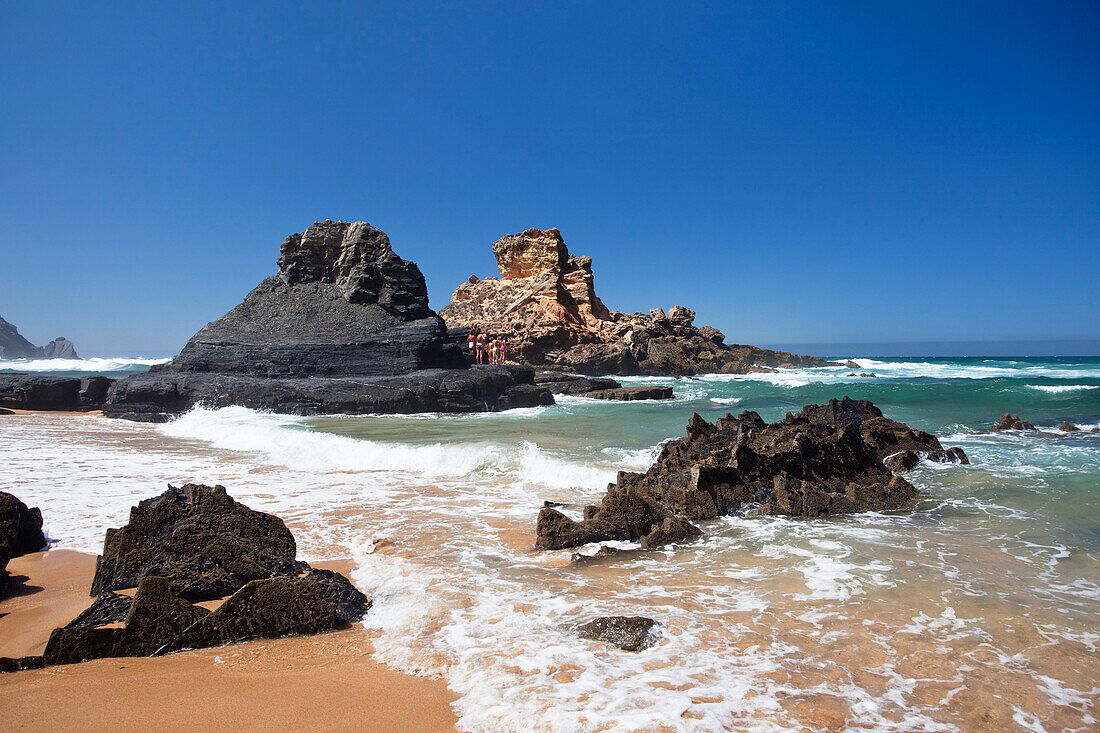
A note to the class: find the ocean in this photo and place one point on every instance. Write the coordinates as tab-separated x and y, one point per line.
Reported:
977	610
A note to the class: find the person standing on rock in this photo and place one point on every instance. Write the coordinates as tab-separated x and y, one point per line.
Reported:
471	341
495	357
482	342
502	358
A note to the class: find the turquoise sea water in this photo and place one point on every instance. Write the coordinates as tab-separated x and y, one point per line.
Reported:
976	610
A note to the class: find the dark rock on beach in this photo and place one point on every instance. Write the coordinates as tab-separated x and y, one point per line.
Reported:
1009	421
37	392
198	538
629	633
573	384
20	532
5	411
195	543
344	327
827	459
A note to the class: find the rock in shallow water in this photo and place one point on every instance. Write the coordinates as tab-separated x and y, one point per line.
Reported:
826	459
1009	421
629	633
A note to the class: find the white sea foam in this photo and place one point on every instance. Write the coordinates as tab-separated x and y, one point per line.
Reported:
726	400
94	364
1061	388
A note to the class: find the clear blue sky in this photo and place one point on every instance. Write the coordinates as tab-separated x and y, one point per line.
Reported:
795	172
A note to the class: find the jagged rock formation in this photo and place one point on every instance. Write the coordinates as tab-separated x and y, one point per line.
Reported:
343	327
544	304
1009	421
195	543
60	348
20	532
14	346
826	459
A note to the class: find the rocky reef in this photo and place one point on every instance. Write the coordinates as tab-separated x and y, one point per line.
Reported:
20	533
14	346
206	570
37	392
826	459
544	304
343	327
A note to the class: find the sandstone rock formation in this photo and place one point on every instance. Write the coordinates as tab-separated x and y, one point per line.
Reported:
826	459
194	543
344	327
20	532
14	346
544	304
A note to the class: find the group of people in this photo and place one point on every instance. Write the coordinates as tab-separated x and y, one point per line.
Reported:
483	349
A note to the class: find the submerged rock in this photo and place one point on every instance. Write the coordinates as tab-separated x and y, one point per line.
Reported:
629	633
544	305
1009	421
194	543
344	327
826	459
907	460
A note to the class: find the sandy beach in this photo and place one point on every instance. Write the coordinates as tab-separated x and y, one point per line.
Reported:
325	682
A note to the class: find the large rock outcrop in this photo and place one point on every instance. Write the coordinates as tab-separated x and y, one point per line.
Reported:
343	327
14	346
38	392
20	532
826	459
195	544
544	304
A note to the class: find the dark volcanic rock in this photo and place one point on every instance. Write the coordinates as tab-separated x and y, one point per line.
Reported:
14	346
199	538
319	601
826	459
851	364
59	348
907	460
544	305
629	633
628	394
1009	421
20	532
35	392
1068	427
196	543
93	391
20	526
5	411
572	384
344	327
672	529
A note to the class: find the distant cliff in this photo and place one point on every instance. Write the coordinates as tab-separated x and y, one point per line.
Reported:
544	304
14	346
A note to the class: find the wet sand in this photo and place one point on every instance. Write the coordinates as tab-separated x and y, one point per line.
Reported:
328	681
